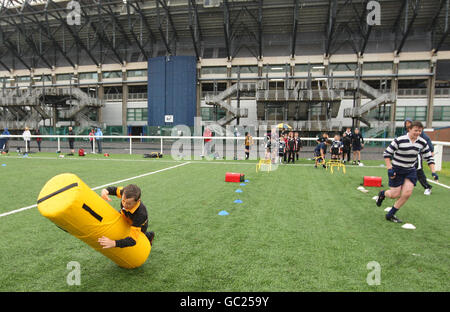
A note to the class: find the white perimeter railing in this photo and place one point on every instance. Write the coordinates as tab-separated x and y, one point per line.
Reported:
438	145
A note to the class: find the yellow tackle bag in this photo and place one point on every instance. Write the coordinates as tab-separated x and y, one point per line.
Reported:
69	203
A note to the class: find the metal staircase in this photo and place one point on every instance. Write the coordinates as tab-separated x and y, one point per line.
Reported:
377	98
377	129
27	107
220	100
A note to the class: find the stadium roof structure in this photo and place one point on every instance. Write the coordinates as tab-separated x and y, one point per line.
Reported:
47	33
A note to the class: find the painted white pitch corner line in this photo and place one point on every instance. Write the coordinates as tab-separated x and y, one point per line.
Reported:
102	186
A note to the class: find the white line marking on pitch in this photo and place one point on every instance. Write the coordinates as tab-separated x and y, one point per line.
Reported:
102	186
443	185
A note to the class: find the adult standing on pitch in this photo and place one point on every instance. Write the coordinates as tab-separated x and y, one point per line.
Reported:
38	139
420	174
71	141
98	138
357	145
91	139
27	138
291	147
401	158
207	142
5	146
346	146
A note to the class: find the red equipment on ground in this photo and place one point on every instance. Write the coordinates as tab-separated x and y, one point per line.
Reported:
372	181
234	177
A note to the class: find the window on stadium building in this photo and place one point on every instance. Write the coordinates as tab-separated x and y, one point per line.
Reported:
277	68
380	113
275	112
414	65
137	73
245	69
421	113
316	110
86	76
378	66
46	78
208	113
209	86
343	66
40	79
137	114
210	70
441	113
23	79
301	68
112	74
63	77
414	112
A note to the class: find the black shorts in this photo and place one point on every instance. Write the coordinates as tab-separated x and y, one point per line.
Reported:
356	148
402	174
71	144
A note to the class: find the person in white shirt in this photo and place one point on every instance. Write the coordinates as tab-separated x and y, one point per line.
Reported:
27	137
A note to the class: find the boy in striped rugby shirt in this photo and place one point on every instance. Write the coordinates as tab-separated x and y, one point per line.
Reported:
401	157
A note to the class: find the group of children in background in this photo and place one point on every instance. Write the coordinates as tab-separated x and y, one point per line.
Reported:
289	145
340	147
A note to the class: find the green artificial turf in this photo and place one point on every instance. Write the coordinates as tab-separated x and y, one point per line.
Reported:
297	229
